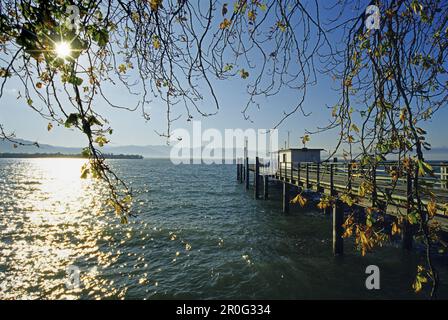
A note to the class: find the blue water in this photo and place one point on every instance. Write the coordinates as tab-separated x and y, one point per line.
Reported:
197	234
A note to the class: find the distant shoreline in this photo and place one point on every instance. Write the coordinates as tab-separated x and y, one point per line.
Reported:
65	156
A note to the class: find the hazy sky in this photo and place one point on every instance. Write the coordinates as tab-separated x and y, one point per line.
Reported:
131	129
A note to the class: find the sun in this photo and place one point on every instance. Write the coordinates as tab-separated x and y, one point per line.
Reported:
63	49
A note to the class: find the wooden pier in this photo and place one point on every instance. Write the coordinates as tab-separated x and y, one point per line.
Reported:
392	195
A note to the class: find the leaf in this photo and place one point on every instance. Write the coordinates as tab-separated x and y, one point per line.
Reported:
395	229
413	217
425	168
224	9
71	120
94	121
244	74
251	15
101	37
156	42
348	82
101	140
228	67
369	221
417	285
86	152
122	68
324	203
155	4
299	199
281	25
49	126
76	81
127	199
4	73
29	101
85	170
347	199
403	115
305	139
431	208
39	85
225	24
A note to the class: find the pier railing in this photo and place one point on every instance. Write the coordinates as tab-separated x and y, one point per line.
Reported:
388	186
389	181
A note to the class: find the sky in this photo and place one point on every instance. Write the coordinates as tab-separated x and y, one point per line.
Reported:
131	129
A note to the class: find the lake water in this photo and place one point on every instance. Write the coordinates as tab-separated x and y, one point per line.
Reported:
197	234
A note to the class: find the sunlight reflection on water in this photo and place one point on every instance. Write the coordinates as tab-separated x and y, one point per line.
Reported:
197	234
53	210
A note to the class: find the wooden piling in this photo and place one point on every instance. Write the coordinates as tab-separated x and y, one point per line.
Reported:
238	173
307	175
407	229
374	192
338	221
285	197
256	177
332	192
444	177
349	176
266	187
329	210
246	173
291	172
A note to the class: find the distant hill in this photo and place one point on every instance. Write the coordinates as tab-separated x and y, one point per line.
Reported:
145	151
150	151
62	155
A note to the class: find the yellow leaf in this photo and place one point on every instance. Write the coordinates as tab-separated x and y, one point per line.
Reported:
49	126
347	199
348	82
395	229
225	24
403	115
432	208
122	68
417	286
305	139
299	199
155	4
323	203
156	43
251	15
281	25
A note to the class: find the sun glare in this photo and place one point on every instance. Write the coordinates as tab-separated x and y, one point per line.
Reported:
62	49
